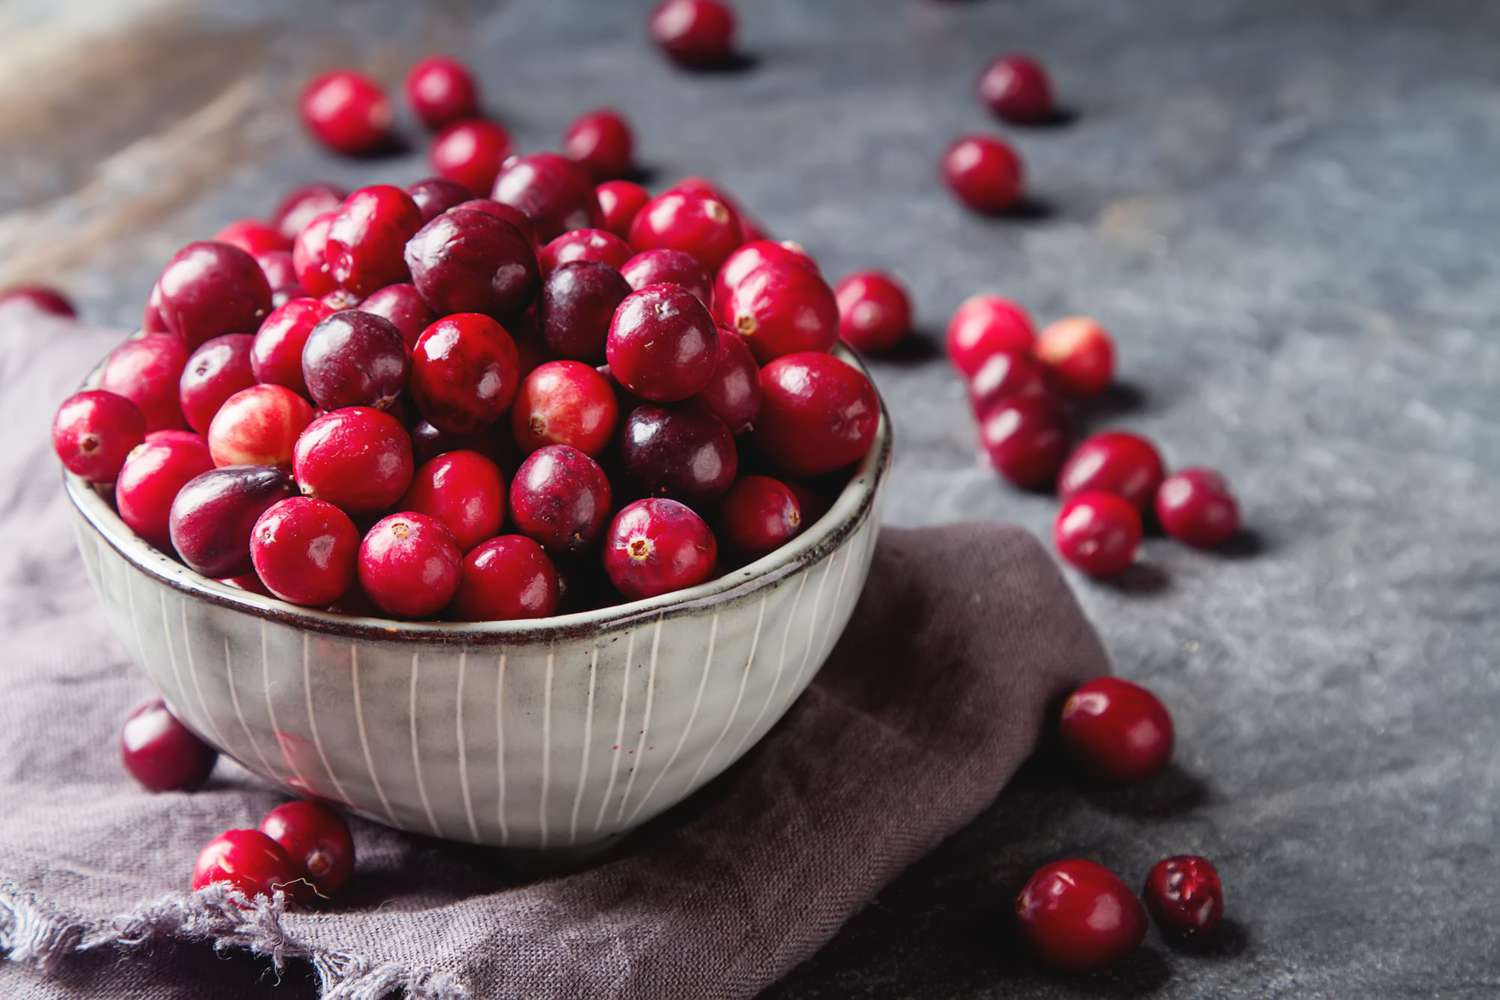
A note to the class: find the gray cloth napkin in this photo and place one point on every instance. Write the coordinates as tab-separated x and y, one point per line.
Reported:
933	698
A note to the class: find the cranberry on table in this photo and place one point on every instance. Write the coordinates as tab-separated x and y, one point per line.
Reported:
561	498
1117	730
1004	375
750	256
470	153
465	372
1184	895
94	432
578	303
684	452
565	402
1016	89
253	236
310	255
148	371
662	344
691	221
1116	462
435	195
303	550
1025	438
354	358
213	514
874	311
506	578
161	753
619	201
403	306
658	545
1078	916
357	458
694	33
208	289
759	514
316	839
584	244
984	325
733	393
218	369
600	141
303	204
1098	533
1078	354
1195	506
151	478
276	353
258	426
672	267
347	112
984	173
472	261
818	414
367	237
782	310
441	90
38	298
251	862
464	490
410	565
554	192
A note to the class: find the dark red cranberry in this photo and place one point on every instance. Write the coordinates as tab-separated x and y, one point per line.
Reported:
1113	462
565	402
410	565
1117	730
782	310
367	237
694	33
683	452
818	413
94	432
161	753
600	141
304	549
554	192
984	173
147	371
1098	532
253	236
354	358
749	257
759	514
310	255
470	153
276	354
1195	506
619	201
151	478
302	205
577	305
505	213
874	311
465	372
38	298
663	344
357	458
208	289
985	325
404	307
1184	895
280	272
1078	354
690	221
1026	439
316	838
672	267
464	490
472	261
441	91
435	195
657	545
347	112
258	426
733	393
1016	88
584	244
561	498
507	578
1078	915
213	513
216	370
251	862
1003	375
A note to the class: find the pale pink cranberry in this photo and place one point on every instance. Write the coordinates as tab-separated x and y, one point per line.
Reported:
1078	354
258	426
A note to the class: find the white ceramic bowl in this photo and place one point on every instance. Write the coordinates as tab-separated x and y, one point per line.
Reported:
553	733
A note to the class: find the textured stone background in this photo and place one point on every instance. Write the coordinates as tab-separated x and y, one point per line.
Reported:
1286	212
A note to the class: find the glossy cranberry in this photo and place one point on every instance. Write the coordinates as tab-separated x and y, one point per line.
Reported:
441	90
565	402
464	490
472	261
584	244
554	192
600	141
208	289
657	545
367	238
94	432
1078	354
304	549
310	255
435	195
302	205
354	358
253	236
672	267
161	753
1004	375
694	33
1026	439
759	514
276	353
1098	533
213	513
505	213
251	862
1117	730
1016	88
683	452
38	298
507	578
662	344
1113	462
281	273
1078	916
577	305
874	311
561	498
749	257
152	476
357	458
984	325
619	201
733	393
347	112
147	371
782	310
258	426
410	565
215	371
984	173
316	839
690	221
465	372
470	153
818	414
1184	895
1195	506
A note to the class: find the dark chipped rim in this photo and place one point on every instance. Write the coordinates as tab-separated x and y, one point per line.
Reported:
849	510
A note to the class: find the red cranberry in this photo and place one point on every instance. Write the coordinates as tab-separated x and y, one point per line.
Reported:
1185	895
276	354
600	141
1117	462
819	414
1004	375
619	201
38	298
215	371
161	753
1016	88
212	288
465	372
250	862
441	90
147	371
253	236
310	255
303	204
367	237
470	153
347	112
354	358
507	578
781	310
673	267
213	513
316	838
1078	354
1026	439
410	565
662	344
1196	507
733	393
94	432
561	498
565	402
435	195
584	244
984	173
280	272
985	325
304	549
656	546
874	311
357	458
760	514
577	305
1098	533
683	452
472	261
403	306
464	490
690	221
258	426
694	33
151	478
1079	916
554	192
749	257
1117	730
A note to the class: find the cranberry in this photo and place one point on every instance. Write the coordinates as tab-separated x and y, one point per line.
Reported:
147	371
578	302
441	90
874	311
303	550
760	514
310	255
403	307
250	862
1026	439
684	452
253	236
781	310
565	402
690	221
357	458
464	490
1004	375
983	172
1117	462
428	442
211	288
316	838
673	267
1078	354
1184	895
410	565
733	393
215	371
505	213
151	478
1195	506
367	237
694	33
507	578
561	498
662	343
819	414
435	195
465	372
38	298
1079	916
276	353
161	753
213	513
1098	533
280	271
354	358
1016	88
1116	729
347	112
258	426
656	546
750	256
554	192
584	244
472	261
985	325
470	153
94	432
619	201
600	141
813	503
302	205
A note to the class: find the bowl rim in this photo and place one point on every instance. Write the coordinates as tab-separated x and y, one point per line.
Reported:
855	503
